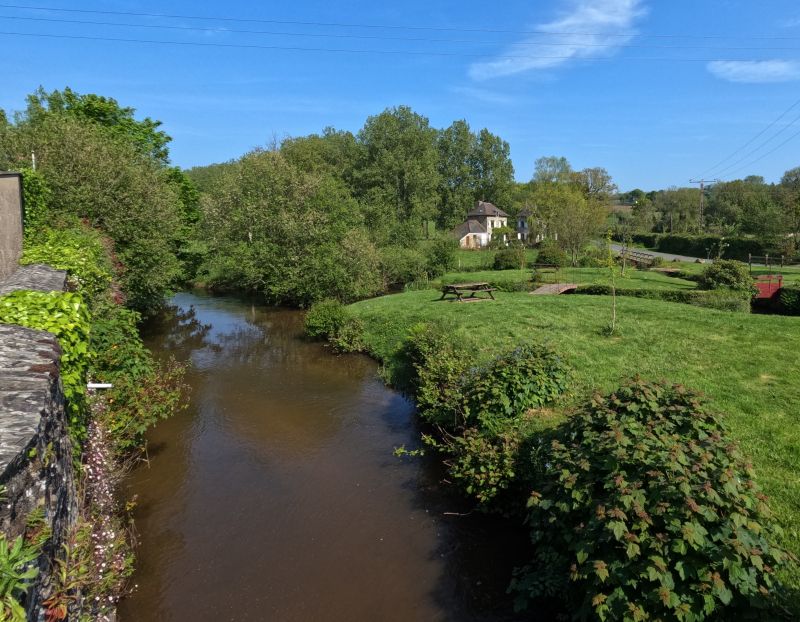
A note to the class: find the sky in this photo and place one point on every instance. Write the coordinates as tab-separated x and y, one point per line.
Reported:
657	92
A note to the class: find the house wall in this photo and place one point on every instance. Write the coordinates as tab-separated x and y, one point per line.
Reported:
10	222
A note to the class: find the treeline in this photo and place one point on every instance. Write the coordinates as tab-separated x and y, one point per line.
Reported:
96	162
746	207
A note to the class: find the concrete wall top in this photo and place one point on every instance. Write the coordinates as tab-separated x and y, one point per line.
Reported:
10	222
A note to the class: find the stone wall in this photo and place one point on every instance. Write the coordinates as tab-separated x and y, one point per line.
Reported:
35	452
10	222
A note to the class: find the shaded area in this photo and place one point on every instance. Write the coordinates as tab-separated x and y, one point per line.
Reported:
276	495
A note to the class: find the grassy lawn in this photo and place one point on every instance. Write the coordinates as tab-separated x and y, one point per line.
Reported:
633	279
748	365
791	274
470	260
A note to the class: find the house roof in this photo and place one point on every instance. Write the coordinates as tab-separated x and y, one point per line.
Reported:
484	208
467	227
525	213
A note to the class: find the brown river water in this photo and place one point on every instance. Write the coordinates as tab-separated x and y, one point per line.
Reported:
276	496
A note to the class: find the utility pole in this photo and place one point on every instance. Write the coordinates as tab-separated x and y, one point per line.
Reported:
703	183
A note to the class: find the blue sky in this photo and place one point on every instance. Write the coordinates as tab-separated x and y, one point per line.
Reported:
654	91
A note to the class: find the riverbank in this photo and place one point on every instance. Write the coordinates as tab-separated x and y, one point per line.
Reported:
746	364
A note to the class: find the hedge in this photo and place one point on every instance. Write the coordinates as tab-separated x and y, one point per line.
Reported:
701	245
789	301
715	299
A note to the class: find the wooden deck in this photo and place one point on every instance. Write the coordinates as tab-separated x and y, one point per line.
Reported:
554	289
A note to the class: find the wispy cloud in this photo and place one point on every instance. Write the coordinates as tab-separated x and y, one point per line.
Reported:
755	71
587	29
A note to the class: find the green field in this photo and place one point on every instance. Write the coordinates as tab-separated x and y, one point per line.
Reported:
470	260
748	365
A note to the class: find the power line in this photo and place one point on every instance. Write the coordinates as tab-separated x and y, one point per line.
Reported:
356	50
761	157
383	26
389	38
763	144
752	140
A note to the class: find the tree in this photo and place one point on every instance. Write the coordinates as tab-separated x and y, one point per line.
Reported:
577	221
398	168
596	184
106	112
457	184
492	168
679	209
553	169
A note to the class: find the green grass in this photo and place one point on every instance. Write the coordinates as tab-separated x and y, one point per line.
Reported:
633	279
791	274
748	365
471	260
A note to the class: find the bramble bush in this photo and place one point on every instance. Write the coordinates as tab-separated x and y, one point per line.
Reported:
646	510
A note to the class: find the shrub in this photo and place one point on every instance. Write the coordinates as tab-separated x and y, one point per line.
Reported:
325	318
789	300
510	384
552	254
441	255
77	250
729	274
400	265
433	372
510	258
645	510
482	464
331	320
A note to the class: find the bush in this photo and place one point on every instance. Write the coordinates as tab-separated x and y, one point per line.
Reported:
645	510
441	255
77	250
510	258
789	301
400	265
454	395
551	253
331	320
510	384
482	464
728	274
325	318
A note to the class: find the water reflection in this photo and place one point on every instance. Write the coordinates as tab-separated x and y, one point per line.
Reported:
276	497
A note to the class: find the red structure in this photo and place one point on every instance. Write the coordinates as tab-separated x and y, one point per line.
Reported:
768	286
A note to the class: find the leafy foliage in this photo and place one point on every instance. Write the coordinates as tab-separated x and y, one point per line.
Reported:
79	251
66	316
510	258
36	195
550	253
329	319
728	274
790	300
16	573
645	510
720	299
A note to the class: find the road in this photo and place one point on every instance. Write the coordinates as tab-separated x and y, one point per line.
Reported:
666	256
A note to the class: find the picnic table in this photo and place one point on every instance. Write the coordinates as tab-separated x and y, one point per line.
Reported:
460	291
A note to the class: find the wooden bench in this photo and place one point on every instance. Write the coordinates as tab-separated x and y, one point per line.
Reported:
459	291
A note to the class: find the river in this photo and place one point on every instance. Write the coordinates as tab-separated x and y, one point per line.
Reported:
276	496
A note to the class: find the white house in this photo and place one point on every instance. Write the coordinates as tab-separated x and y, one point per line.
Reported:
476	231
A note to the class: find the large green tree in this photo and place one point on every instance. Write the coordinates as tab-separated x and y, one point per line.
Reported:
397	175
